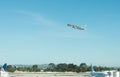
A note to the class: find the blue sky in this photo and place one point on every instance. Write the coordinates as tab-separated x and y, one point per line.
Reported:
36	32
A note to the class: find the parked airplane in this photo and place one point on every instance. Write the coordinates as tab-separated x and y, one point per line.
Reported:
76	27
3	72
98	74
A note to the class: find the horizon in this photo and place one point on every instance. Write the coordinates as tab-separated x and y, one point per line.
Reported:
36	31
46	65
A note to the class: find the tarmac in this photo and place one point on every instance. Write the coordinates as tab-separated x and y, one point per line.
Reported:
47	74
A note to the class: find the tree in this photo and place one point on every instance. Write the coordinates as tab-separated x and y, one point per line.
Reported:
35	68
62	67
83	67
51	67
11	68
72	67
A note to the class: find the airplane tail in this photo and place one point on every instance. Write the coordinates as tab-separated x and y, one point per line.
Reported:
92	70
3	72
4	66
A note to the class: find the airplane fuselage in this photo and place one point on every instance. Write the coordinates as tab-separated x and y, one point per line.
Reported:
99	74
76	27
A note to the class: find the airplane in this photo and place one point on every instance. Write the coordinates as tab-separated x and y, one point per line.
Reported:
3	72
76	27
98	74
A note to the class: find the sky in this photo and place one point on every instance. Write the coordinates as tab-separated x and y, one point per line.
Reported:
36	32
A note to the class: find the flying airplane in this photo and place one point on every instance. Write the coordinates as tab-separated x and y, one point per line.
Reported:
3	72
98	74
76	27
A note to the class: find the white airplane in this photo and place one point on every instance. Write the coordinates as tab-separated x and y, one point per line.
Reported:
76	27
98	74
3	72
